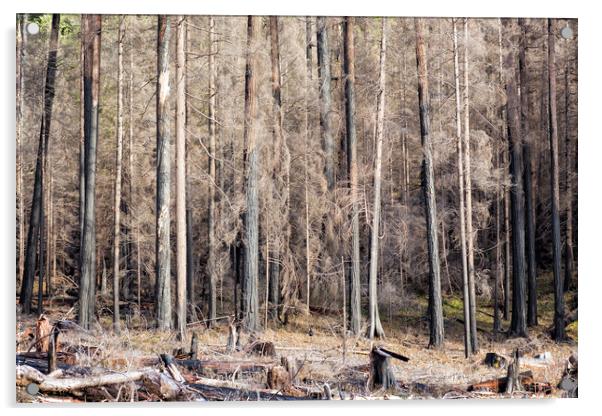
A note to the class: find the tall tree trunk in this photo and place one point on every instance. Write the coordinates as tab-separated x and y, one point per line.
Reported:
376	328
518	323
499	268
181	176
162	246
118	159
352	173
33	232
328	145
91	98
462	195
308	77
251	271
212	304
568	259
20	52
528	182
278	135
468	181
559	333
428	185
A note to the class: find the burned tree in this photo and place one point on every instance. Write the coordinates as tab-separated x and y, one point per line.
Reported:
428	186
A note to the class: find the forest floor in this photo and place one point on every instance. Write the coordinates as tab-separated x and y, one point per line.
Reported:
324	357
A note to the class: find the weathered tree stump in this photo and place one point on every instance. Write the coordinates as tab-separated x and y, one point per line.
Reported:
278	378
194	346
512	379
52	349
232	338
381	372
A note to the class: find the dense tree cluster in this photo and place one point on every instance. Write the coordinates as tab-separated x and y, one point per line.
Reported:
265	166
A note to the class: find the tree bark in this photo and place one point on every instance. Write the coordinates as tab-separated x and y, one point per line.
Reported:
569	257
376	328
33	232
462	196
20	64
211	269
162	246
468	181
278	136
559	333
118	159
328	145
352	173
528	181
181	176
518	323
428	185
91	116
251	219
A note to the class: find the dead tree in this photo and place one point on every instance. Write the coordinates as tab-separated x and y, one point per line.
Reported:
569	256
462	196
33	232
118	164
470	235
181	176
428	186
87	289
518	323
352	173
251	218
528	182
376	328
162	245
559	334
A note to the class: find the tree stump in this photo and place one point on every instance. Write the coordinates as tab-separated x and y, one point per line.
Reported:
232	338
381	372
512	379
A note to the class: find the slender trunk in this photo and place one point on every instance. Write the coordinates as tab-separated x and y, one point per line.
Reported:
91	115
528	183
428	185
568	259
278	136
376	328
499	268
325	102
462	214
308	77
250	289
118	159
559	334
470	235
162	246
20	51
518	324
181	177
33	232
352	173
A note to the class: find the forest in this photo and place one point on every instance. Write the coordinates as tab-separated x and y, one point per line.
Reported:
295	207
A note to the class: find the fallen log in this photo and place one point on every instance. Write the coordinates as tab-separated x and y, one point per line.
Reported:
235	394
27	374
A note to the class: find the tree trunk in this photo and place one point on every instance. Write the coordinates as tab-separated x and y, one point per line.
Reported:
528	182
118	159
21	45
499	268
328	145
568	259
162	246
518	324
428	185
468	181
278	135
33	232
462	195
559	334
91	116
376	328
211	269
181	176
251	219
352	174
